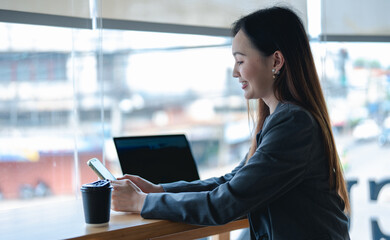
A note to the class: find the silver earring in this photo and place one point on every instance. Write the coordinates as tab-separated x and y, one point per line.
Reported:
275	73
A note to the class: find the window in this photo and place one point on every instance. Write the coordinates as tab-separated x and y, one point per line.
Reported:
66	92
63	104
355	77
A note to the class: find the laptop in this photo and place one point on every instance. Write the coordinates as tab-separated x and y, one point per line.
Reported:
157	158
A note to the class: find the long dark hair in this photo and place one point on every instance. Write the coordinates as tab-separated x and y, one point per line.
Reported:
280	29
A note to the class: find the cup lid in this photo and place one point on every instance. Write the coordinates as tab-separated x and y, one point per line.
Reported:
96	186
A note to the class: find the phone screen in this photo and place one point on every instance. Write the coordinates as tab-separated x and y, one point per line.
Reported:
100	169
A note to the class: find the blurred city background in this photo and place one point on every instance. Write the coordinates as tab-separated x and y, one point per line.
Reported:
65	93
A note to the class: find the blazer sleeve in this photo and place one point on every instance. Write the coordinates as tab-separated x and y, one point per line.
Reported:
277	166
201	185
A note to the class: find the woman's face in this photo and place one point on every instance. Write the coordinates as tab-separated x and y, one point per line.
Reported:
253	70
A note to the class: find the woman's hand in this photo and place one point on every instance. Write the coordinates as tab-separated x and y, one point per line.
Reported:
126	196
143	184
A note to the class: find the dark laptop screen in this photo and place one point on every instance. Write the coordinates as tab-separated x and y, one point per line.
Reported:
159	159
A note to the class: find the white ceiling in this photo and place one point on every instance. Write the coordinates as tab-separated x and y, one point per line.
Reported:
356	17
346	17
209	13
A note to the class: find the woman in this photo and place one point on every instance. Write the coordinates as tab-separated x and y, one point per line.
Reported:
290	185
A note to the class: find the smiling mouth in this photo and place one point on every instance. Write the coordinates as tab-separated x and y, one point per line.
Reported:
244	84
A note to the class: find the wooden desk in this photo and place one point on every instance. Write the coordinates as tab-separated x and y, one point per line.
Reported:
65	220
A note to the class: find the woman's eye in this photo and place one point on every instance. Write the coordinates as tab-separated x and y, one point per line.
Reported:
239	62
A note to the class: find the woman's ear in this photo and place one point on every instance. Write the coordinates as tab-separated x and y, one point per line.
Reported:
278	60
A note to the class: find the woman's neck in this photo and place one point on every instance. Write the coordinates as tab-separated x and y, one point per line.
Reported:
272	103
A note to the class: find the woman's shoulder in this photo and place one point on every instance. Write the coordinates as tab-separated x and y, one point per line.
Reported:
289	112
289	107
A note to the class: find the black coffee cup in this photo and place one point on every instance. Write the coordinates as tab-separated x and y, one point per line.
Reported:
97	202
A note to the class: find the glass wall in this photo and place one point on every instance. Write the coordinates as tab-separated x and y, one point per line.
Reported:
65	93
355	77
159	83
50	112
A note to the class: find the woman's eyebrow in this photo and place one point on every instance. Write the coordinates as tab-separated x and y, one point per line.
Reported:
238	53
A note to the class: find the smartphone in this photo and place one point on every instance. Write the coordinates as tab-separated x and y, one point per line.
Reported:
100	169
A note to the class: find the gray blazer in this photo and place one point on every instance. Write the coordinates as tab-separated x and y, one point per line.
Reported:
283	189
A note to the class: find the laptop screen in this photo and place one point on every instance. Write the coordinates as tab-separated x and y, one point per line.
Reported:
159	159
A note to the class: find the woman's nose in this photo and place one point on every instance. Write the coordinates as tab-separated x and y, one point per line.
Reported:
235	74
